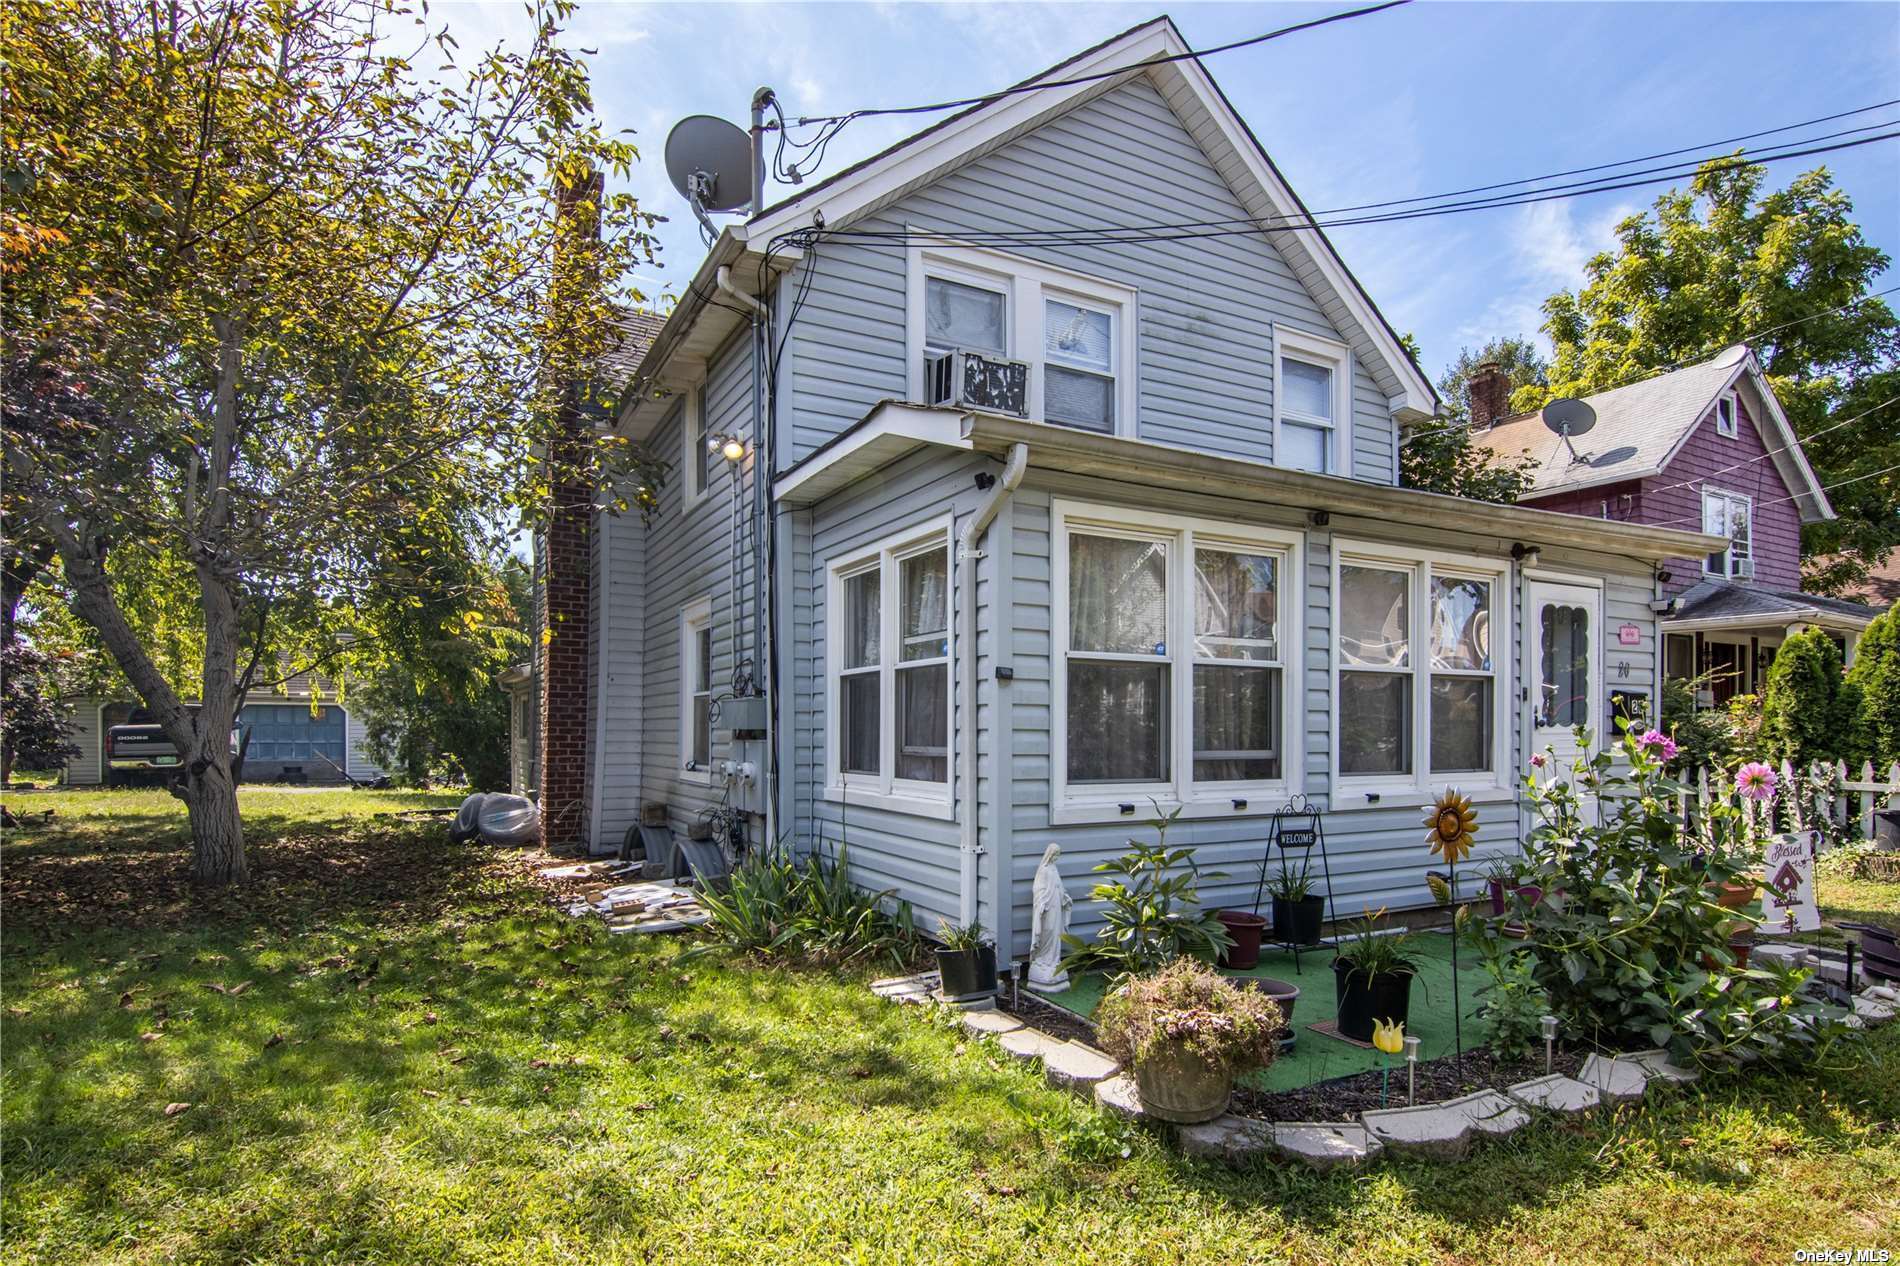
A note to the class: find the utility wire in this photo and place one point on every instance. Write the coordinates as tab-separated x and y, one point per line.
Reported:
1799	441
1695	359
1839	483
1073	81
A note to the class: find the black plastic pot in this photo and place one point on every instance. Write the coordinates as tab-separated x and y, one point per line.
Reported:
968	973
1363	999
1298	922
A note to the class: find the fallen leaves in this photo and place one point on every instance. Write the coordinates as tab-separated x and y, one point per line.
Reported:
173	1109
275	1039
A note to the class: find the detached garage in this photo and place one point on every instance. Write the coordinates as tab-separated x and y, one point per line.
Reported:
290	741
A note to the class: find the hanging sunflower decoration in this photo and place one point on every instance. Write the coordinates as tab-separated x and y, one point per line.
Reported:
1451	822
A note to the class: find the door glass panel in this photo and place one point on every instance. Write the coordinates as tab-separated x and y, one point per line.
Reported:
1565	657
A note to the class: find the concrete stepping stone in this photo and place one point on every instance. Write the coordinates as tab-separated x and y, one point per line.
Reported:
1073	1066
1029	1044
1118	1095
1492	1113
1231	1139
1439	1131
1873	1011
1326	1145
1556	1093
1616	1080
990	1023
1657	1064
906	989
1785	955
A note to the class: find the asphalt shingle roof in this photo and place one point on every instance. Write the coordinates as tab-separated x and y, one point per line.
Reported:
1637	428
637	328
1720	600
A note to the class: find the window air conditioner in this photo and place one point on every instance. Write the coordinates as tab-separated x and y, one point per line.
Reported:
1744	569
976	381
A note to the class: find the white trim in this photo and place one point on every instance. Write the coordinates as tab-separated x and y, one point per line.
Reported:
694	435
1181	534
1421	566
1329	354
964	138
884	789
695	617
1026	285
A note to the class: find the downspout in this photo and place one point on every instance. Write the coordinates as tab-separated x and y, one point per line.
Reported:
968	553
597	767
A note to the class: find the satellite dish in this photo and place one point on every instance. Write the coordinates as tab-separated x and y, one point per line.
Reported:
710	162
1569	417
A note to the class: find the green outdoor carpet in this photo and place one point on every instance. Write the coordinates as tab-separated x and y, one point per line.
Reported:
1316	1057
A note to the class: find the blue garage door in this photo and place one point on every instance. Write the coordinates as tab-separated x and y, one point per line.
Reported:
292	733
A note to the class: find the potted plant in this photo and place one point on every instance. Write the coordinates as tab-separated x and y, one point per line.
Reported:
1372	977
1245	928
1298	911
1500	881
1187	1033
967	962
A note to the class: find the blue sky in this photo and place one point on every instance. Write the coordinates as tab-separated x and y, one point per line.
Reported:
1418	100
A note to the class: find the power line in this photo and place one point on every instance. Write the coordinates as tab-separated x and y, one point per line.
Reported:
1693	359
1839	483
1074	81
1799	441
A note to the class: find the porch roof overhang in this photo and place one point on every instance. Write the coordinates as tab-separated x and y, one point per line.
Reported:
1722	606
892	430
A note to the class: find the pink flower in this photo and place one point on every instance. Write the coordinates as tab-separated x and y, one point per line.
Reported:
1539	760
1756	781
1665	746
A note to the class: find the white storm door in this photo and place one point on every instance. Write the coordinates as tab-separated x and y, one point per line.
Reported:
1563	645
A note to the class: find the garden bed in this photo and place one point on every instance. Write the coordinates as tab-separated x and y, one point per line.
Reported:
1344	1098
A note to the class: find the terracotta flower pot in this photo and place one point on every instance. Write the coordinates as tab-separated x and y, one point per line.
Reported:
1246	928
1733	896
1177	1085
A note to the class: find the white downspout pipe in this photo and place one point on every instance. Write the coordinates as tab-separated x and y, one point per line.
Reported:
967	556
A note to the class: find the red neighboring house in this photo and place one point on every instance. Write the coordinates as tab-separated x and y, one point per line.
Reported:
1703	447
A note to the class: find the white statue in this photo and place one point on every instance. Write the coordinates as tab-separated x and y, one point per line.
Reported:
1052	904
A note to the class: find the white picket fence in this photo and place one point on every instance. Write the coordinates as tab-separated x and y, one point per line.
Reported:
1819	799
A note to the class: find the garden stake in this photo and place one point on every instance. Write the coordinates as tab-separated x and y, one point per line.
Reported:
1452	822
1411	1071
1388	1036
1549	1024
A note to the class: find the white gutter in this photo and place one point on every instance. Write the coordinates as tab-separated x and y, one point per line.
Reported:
968	553
723	280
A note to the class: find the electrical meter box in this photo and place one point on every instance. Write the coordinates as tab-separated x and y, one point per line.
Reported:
744	716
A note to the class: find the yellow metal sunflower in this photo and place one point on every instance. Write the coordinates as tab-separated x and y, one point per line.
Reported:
1451	822
1389	1035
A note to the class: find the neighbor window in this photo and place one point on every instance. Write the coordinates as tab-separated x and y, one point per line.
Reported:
1726	411
696	667
1418	683
1728	514
889	612
1309	401
1172	635
1075	332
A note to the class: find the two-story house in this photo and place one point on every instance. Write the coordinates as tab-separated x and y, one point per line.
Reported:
1706	445
1042	470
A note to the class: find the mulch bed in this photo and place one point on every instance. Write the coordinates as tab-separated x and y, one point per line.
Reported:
1344	1098
1051	1019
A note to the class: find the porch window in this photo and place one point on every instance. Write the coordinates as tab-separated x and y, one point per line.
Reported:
889	676
1729	514
1419	696
1172	634
1678	656
696	660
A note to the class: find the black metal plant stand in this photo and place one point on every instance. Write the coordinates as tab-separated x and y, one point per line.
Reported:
1297	825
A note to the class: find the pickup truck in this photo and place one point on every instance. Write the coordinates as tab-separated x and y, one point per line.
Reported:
140	750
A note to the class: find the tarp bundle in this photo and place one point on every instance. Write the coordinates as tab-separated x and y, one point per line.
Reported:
497	818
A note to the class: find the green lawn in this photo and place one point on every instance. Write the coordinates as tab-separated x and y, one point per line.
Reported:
430	1063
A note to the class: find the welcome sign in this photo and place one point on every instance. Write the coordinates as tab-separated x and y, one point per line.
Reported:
1787	903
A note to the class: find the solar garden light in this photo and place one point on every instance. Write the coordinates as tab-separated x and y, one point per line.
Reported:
1411	1071
1549	1024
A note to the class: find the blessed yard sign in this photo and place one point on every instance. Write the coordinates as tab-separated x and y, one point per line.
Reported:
1787	903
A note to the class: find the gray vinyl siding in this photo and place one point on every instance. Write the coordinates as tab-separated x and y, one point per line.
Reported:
1375	849
617	608
913	858
688	555
1206	307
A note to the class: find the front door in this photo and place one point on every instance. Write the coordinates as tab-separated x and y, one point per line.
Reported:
1563	641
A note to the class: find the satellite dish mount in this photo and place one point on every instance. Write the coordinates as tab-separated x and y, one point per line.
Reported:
716	166
1569	417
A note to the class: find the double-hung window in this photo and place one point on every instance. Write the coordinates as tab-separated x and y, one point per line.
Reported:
1171	686
1419	697
696	668
1310	402
888	611
1726	413
1075	332
1728	514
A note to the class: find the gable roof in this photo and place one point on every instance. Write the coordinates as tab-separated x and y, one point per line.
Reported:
1642	426
865	187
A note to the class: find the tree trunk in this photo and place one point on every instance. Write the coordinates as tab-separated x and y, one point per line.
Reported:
217	833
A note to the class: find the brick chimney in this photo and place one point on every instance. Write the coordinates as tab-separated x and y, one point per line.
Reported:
566	631
1490	393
